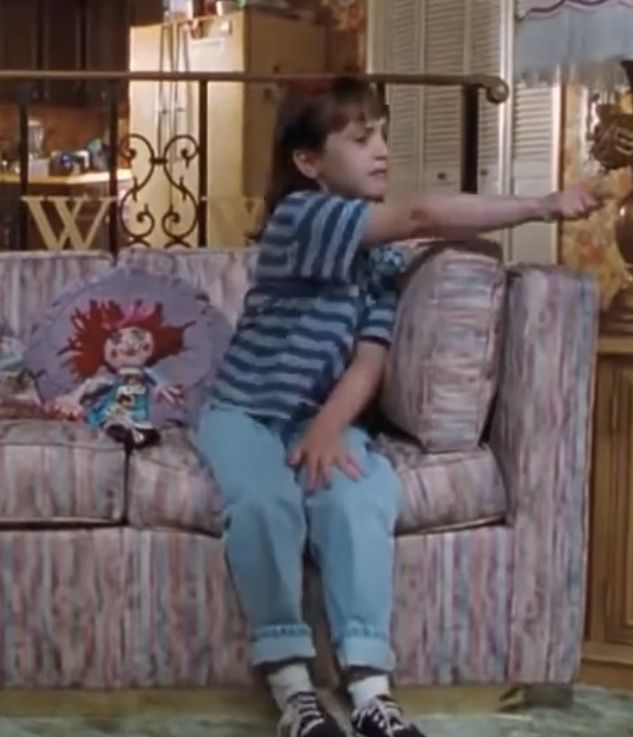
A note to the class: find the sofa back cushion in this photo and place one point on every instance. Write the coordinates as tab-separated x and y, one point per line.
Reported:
31	280
443	367
223	275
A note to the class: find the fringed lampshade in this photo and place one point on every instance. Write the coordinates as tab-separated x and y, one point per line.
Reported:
578	41
587	42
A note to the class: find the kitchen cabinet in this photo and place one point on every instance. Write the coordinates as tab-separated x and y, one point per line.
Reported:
107	33
60	33
146	12
608	649
73	35
19	42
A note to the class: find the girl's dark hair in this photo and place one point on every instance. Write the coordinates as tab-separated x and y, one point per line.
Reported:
307	115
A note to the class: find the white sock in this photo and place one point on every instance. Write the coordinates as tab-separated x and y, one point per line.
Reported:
289	680
363	690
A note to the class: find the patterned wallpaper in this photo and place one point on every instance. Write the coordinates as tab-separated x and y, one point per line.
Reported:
590	245
351	15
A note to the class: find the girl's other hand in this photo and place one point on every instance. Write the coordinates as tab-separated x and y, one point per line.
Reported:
319	452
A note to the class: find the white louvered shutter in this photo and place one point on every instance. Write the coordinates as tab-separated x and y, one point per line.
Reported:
536	124
485	57
534	167
441	37
396	45
445	37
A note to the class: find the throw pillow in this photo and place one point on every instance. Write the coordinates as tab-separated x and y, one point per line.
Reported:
443	365
134	351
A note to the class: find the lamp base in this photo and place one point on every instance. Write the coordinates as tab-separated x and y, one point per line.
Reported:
618	319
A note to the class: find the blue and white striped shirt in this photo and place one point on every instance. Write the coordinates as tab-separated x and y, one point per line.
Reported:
317	292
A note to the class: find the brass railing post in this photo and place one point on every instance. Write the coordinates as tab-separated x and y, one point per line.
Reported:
24	98
113	156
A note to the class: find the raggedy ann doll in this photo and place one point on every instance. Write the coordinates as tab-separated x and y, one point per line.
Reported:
112	350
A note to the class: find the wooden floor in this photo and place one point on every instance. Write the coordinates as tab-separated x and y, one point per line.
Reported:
229	704
451	712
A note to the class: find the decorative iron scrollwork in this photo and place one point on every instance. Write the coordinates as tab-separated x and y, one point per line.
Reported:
140	221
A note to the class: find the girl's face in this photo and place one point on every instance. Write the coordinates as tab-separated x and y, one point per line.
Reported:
128	348
353	162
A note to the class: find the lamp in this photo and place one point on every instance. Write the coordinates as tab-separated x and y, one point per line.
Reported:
576	41
586	42
589	43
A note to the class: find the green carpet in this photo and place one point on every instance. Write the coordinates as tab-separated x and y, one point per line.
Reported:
595	713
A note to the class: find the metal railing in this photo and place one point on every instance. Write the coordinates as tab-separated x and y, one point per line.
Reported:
194	151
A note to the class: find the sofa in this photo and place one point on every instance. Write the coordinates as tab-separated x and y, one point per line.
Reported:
112	571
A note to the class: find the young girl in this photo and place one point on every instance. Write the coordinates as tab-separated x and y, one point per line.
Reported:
281	431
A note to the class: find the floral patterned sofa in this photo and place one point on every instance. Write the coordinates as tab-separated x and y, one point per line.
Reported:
112	572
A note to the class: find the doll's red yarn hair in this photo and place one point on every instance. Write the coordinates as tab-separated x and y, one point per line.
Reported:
92	328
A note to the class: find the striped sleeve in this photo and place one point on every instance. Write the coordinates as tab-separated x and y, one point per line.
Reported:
379	319
387	263
328	233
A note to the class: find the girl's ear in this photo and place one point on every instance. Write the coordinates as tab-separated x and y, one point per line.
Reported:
307	162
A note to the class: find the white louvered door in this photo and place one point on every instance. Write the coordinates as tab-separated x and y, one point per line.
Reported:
535	167
396	45
441	37
446	35
485	50
536	121
518	146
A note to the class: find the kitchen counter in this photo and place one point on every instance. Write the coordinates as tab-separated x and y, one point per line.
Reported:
55	195
70	180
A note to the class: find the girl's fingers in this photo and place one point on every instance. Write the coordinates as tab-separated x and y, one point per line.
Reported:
325	473
295	457
312	468
350	467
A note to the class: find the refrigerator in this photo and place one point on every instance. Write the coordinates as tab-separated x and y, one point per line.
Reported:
163	145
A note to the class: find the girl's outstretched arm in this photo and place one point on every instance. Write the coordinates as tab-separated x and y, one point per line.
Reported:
459	215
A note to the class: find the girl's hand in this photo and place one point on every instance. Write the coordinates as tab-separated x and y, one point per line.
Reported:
171	393
318	452
577	201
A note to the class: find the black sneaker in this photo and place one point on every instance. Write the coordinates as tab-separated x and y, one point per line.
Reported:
305	717
382	717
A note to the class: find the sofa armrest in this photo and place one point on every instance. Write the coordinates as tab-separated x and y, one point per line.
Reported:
541	418
540	432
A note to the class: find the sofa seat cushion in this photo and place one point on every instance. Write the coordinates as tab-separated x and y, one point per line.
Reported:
445	490
169	487
59	473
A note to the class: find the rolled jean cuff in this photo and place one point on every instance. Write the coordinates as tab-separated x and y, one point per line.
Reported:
282	642
365	651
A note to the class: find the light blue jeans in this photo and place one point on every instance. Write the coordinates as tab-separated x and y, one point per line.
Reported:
269	520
